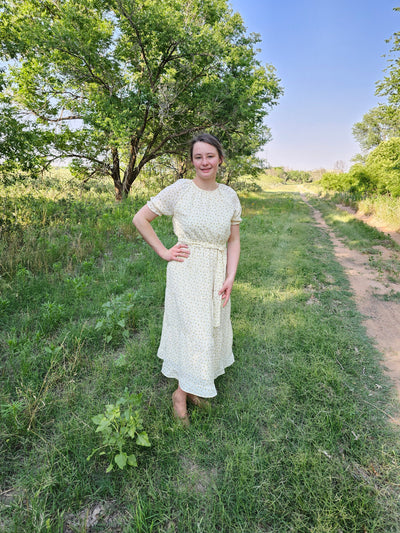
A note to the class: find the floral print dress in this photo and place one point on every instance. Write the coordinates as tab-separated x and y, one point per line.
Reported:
196	340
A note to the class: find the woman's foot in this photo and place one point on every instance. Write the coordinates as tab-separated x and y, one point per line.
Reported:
201	403
179	407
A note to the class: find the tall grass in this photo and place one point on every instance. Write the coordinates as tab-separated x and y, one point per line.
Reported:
384	208
299	437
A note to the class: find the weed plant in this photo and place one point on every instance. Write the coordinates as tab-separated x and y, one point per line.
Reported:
299	437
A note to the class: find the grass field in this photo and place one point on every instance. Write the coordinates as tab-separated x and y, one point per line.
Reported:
298	438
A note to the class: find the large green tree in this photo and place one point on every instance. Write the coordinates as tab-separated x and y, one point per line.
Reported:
390	85
380	124
123	82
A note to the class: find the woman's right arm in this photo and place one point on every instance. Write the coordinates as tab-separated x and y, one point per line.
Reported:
142	220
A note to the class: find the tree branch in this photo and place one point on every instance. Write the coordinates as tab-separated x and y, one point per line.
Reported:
141	45
92	74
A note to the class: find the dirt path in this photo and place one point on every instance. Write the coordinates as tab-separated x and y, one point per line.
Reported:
382	317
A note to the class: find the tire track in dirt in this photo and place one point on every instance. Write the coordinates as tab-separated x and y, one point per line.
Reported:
382	318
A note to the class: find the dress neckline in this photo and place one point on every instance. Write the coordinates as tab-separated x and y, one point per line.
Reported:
205	190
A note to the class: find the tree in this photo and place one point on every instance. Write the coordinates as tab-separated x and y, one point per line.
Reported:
390	85
22	144
378	125
339	166
124	82
384	164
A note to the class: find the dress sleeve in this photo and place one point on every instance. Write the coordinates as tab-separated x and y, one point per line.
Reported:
164	202
236	217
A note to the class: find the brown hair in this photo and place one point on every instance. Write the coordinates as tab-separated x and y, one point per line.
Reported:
209	139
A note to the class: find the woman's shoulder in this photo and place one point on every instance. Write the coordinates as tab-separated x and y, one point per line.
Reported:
228	191
179	185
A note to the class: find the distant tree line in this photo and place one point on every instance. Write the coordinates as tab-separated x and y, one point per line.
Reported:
377	168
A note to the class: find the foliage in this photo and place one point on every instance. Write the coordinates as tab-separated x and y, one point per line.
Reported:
384	164
379	131
297	176
378	125
22	142
120	424
390	85
152	73
118	314
297	438
380	172
293	176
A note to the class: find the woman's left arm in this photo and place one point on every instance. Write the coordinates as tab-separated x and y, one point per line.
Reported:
233	254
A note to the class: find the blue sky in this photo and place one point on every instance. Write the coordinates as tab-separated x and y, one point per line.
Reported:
328	55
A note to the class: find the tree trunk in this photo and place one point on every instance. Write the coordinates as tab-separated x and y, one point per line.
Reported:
182	169
131	172
129	177
116	176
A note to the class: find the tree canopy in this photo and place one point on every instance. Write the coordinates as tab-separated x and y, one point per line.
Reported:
378	125
390	85
120	83
379	135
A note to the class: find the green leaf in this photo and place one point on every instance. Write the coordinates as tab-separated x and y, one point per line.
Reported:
104	424
121	459
109	468
143	439
97	419
132	460
132	430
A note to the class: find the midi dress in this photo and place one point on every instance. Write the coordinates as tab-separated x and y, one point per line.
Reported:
196	338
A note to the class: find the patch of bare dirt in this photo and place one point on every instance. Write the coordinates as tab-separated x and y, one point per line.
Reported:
370	287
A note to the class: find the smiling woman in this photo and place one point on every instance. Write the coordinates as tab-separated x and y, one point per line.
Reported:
196	341
206	158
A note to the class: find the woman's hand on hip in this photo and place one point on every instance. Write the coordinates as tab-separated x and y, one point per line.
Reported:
179	252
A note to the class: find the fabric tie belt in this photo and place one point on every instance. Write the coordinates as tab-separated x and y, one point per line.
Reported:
220	273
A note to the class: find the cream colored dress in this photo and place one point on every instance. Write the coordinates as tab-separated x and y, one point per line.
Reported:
196	340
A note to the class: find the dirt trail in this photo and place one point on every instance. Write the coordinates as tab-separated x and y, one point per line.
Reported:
382	318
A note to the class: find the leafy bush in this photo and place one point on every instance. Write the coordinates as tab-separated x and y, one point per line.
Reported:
384	164
380	173
120	425
298	176
118	314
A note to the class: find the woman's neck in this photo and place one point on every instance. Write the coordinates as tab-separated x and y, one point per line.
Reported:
206	185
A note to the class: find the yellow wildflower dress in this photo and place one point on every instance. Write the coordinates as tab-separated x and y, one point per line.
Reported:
196	339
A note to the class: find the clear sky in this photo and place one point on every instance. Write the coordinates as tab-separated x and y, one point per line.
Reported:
328	55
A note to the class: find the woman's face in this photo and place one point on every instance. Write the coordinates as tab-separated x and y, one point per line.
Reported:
206	160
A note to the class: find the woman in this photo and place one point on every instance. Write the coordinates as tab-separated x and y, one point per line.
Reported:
196	340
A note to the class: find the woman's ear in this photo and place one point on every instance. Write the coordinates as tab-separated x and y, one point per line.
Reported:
221	160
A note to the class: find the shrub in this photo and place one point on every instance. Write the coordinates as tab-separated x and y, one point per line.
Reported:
384	164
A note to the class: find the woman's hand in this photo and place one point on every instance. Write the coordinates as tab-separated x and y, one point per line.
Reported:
226	290
142	221
179	253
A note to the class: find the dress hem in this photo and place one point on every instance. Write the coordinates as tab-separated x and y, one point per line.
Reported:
190	387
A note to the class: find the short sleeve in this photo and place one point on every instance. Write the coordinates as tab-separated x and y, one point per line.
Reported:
164	202
237	213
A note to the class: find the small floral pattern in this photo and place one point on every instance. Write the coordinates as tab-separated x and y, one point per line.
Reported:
196	340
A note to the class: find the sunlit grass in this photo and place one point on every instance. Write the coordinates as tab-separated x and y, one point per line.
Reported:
299	437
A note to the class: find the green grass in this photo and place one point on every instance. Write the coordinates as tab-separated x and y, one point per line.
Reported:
299	437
